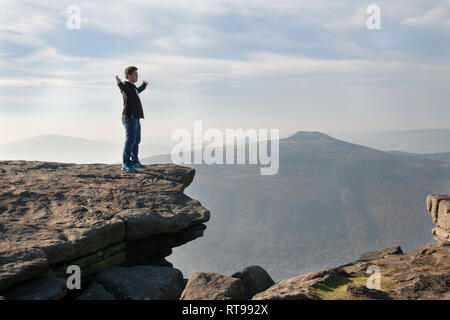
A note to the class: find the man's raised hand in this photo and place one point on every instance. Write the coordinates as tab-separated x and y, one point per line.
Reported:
145	82
118	79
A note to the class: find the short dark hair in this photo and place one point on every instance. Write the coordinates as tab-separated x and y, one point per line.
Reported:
129	70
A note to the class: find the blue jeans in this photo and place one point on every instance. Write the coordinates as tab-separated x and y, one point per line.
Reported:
132	140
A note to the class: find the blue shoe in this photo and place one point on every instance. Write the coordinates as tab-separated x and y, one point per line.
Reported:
137	164
128	168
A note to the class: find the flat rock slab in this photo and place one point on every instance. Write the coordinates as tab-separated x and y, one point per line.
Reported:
213	286
142	282
53	212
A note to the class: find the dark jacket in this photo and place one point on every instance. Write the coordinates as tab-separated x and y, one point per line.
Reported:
132	107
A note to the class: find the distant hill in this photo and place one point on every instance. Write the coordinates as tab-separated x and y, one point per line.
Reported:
413	141
443	156
71	149
330	201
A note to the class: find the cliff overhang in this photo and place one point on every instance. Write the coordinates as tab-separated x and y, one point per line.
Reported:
95	216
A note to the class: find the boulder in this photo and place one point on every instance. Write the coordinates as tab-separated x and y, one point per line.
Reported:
96	292
213	286
43	288
255	279
142	282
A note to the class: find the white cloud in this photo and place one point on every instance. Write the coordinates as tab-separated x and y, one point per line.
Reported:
165	43
22	26
49	66
434	16
191	36
120	18
356	20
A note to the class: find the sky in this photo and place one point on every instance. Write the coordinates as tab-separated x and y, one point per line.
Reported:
290	65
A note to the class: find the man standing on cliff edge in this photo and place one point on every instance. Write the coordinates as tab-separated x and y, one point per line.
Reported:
132	112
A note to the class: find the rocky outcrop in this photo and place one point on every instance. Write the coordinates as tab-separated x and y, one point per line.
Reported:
95	216
439	208
424	273
381	253
301	287
118	227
